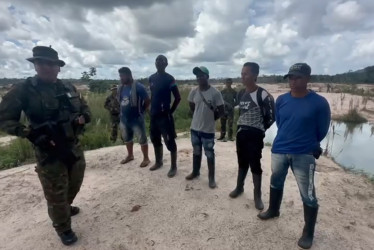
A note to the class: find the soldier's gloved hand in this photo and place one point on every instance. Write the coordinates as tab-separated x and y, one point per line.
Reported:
42	141
80	120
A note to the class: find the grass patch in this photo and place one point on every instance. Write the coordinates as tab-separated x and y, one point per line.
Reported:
268	144
353	116
18	152
97	132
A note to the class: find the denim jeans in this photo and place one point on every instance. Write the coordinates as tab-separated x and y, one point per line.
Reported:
202	140
303	167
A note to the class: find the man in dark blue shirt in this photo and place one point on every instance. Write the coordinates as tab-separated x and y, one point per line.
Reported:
134	100
162	86
303	118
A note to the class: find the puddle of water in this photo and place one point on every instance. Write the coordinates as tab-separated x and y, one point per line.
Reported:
351	145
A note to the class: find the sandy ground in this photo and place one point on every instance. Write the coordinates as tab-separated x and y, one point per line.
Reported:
5	140
340	103
179	214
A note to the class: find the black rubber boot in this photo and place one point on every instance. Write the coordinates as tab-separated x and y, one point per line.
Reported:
310	217
222	136
274	205
196	164
211	170
257	191
173	167
230	135
158	156
242	173
74	210
68	237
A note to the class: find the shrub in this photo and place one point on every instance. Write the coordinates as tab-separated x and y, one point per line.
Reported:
351	117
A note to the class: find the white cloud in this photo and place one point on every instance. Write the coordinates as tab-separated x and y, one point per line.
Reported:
332	36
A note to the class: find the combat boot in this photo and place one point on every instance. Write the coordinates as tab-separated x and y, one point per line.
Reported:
68	237
275	201
222	136
173	167
310	217
230	135
158	155
74	210
196	164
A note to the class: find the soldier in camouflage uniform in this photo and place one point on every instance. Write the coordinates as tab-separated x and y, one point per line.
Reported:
229	97
112	105
56	115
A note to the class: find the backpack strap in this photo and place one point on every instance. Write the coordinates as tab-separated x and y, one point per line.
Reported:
210	106
134	95
260	102
239	96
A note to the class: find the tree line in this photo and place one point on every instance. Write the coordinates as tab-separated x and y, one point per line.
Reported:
365	75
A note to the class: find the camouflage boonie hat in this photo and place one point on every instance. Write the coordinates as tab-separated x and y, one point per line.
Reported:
45	53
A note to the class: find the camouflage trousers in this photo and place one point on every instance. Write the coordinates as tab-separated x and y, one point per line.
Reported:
114	119
229	119
60	184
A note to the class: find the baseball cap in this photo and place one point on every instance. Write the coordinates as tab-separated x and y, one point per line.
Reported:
299	69
125	70
199	70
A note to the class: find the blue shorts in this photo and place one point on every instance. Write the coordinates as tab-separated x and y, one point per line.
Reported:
135	126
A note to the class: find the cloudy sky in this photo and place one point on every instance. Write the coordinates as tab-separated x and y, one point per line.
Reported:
333	36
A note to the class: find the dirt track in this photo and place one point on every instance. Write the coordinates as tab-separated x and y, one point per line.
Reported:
177	214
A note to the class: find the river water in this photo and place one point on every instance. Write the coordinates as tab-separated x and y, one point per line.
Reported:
351	145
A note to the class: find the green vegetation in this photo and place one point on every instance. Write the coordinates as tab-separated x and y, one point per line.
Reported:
268	144
351	117
18	152
97	133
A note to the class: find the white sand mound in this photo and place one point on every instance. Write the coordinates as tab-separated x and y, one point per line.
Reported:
179	214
